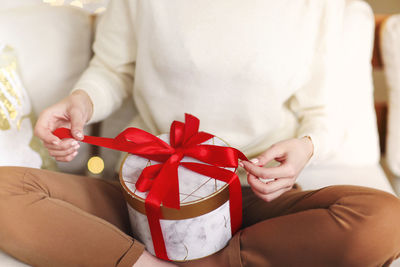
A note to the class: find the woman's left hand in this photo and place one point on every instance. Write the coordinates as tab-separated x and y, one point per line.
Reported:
292	154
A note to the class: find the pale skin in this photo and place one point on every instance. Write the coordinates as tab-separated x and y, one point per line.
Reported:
76	110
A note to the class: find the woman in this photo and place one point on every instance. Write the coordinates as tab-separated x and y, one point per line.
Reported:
217	60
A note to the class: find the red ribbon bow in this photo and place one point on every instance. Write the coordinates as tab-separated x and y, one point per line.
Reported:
161	180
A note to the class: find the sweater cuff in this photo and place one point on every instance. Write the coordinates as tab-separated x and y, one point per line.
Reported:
96	97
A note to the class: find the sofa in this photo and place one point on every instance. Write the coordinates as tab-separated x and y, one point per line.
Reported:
53	45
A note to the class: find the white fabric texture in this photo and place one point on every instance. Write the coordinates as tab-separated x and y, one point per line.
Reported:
256	89
10	4
351	100
16	132
53	46
390	43
366	175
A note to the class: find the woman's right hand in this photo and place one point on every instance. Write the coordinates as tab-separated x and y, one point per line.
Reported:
72	112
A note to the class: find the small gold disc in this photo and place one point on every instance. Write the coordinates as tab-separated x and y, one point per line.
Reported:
95	165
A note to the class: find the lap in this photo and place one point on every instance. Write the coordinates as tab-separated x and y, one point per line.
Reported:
98	197
256	210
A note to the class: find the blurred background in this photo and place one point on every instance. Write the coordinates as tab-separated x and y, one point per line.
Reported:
382	7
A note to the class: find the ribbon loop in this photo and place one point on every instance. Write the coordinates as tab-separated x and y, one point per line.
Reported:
146	178
176	133
191	127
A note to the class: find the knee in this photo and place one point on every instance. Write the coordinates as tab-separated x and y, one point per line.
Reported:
11	188
373	234
11	180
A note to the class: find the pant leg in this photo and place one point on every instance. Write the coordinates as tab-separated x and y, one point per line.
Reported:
333	226
55	219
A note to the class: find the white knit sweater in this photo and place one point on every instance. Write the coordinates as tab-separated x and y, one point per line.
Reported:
254	72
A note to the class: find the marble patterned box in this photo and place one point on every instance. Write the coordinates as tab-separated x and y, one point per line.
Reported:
200	227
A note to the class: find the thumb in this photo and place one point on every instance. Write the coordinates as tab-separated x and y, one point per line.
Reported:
77	123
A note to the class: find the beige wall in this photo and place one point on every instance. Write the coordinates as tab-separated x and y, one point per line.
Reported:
383	7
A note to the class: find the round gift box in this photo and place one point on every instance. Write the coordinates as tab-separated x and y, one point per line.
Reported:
199	228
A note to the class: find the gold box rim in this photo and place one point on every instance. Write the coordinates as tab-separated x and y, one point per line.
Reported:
187	210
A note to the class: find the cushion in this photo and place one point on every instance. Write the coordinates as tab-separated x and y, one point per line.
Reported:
6	260
9	4
351	97
19	146
372	175
93	6
53	46
390	43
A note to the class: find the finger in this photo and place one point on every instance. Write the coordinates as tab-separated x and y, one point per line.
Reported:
281	171
272	196
67	158
77	123
44	132
57	148
64	144
62	153
269	187
270	154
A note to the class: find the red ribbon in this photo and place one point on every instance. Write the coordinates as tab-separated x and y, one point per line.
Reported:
161	180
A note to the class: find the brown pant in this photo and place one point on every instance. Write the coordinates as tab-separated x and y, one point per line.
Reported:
55	219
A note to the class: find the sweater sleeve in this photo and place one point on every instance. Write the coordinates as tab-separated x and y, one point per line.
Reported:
109	78
310	103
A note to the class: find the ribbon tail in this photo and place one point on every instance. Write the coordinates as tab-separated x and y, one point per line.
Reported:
241	155
100	141
235	204
153	212
165	190
64	133
216	155
144	144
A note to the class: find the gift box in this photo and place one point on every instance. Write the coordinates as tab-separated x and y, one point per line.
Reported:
202	224
183	195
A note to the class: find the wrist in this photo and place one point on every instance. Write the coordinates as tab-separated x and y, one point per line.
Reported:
83	99
309	145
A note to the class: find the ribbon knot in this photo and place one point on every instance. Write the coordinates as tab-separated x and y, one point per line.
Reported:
180	151
161	180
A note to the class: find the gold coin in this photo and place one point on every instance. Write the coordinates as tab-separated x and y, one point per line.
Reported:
95	165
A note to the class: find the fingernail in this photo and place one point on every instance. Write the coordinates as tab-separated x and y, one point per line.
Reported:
74	143
75	153
254	161
241	164
55	142
77	146
79	134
